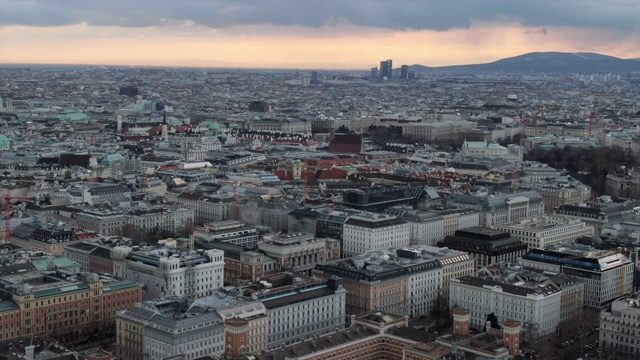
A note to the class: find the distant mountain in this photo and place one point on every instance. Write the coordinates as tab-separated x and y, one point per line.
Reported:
544	62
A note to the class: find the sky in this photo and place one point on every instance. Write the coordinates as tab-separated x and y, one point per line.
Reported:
310	34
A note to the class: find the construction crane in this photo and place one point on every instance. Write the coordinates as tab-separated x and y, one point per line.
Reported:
7	213
235	211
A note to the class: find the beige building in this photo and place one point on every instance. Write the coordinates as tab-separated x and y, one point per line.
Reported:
619	329
540	232
441	130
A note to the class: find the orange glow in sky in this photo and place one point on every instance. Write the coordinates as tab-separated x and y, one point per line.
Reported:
339	45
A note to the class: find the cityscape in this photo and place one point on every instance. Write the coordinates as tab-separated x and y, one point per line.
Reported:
395	205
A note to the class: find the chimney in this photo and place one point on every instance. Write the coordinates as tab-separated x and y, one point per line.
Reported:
461	321
511	336
30	352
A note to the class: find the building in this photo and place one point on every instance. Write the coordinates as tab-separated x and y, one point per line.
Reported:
427	227
170	326
560	190
46	237
451	130
379	198
499	208
540	232
371	231
536	171
572	291
623	186
91	257
64	308
228	232
484	149
302	221
386	69
171	272
606	275
486	246
301	307
404	281
299	252
537	305
601	216
208	208
246	321
619	336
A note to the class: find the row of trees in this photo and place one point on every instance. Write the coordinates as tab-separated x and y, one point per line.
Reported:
591	166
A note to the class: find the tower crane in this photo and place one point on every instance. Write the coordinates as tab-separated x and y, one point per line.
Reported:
7	213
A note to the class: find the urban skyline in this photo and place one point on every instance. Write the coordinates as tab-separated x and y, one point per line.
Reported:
286	34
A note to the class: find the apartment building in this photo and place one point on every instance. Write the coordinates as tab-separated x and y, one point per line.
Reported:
371	231
207	208
300	307
90	257
619	329
541	232
601	216
561	190
426	228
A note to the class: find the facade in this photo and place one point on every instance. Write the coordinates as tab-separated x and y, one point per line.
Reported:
171	272
65	308
600	217
624	186
437	130
98	193
606	275
402	281
540	232
371	231
90	257
483	149
500	208
302	307
207	208
299	252
538	305
561	190
486	246
619	336
302	221
51	239
228	232
429	227
246	322
170	327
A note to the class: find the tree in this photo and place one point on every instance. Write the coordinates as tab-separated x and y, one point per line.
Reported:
440	313
493	319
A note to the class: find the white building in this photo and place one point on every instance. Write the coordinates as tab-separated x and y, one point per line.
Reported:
180	329
620	329
540	232
606	275
167	272
304	308
537	305
370	231
426	228
500	208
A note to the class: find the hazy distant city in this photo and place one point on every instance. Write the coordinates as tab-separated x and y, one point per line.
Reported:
369	207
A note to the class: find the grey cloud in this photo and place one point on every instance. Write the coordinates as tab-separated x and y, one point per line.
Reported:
393	14
542	31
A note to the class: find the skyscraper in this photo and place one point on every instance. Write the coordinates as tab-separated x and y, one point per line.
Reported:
314	77
374	72
404	72
386	69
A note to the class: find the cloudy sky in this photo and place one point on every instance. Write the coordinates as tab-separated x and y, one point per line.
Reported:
310	33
